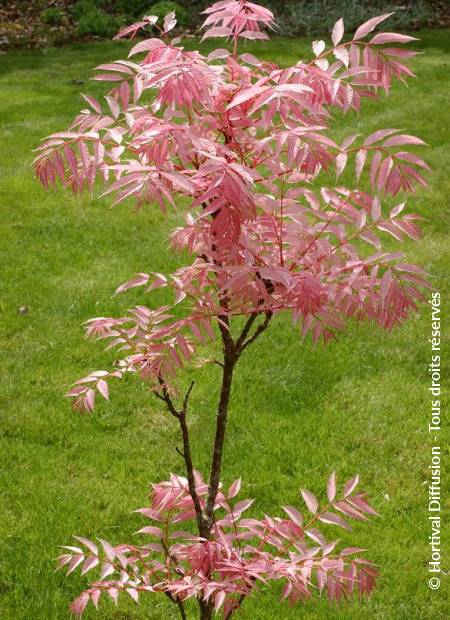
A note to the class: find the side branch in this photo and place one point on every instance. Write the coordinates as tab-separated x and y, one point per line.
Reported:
259	330
246	330
165	397
186	453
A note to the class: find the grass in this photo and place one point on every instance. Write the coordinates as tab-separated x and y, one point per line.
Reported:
360	405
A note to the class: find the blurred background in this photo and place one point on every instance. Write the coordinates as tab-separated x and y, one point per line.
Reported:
39	23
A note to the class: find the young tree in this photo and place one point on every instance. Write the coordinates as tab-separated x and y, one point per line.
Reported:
270	229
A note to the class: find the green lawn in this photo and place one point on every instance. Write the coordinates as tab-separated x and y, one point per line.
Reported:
360	405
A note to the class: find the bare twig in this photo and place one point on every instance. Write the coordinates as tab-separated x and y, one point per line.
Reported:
165	396
186	398
259	330
186	454
240	341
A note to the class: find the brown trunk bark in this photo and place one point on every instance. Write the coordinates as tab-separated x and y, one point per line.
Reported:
221	425
206	610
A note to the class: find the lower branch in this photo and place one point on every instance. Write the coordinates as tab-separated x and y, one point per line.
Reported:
246	330
180	415
187	455
259	330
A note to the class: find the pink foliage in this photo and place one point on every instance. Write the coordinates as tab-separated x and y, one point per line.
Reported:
242	554
237	18
246	144
278	217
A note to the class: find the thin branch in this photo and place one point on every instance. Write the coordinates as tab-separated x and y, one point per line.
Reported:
246	330
165	396
186	398
181	608
190	474
259	330
186	454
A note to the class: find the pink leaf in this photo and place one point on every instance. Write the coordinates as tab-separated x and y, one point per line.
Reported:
222	31
93	103
88	543
378	135
242	506
153	531
370	25
79	604
310	501
106	570
169	21
219	600
391	37
318	47
75	562
234	489
331	487
338	32
341	162
108	549
253	35
360	160
375	211
89	400
333	519
316	536
103	388
351	486
91	562
139	280
341	53
133	593
294	515
402	139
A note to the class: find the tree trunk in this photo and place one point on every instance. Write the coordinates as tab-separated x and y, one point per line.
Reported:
206	610
221	425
